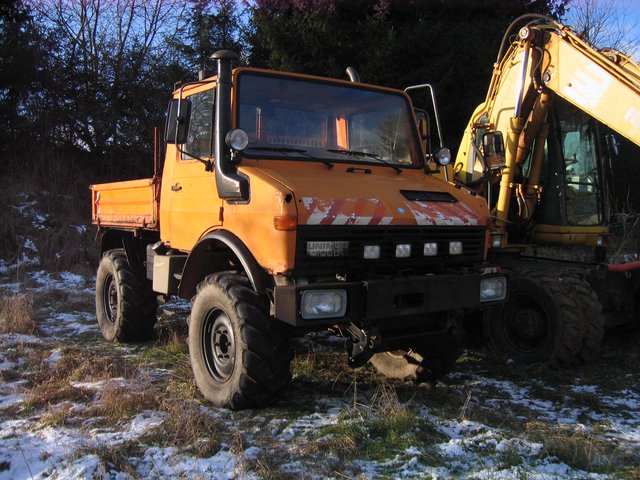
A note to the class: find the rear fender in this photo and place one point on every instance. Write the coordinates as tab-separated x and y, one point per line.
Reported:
134	246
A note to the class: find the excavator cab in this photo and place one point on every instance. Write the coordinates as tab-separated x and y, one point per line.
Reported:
571	187
574	151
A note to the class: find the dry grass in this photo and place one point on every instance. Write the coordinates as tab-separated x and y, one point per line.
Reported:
73	363
119	401
187	426
579	449
174	356
55	391
116	456
59	414
16	314
376	430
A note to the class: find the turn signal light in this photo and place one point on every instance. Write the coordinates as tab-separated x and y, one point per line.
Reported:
285	222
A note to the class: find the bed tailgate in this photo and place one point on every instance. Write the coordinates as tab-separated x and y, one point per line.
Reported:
131	204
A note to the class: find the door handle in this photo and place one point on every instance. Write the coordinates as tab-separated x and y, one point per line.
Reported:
176	188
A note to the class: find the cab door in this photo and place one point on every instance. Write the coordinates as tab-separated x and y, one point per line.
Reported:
193	203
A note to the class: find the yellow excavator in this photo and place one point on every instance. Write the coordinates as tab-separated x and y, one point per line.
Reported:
540	150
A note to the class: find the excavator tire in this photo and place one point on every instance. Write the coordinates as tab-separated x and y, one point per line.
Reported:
125	303
591	316
540	323
239	355
425	363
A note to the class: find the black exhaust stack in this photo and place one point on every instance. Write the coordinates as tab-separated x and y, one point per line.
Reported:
230	184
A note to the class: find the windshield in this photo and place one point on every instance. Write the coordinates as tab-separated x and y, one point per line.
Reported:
304	119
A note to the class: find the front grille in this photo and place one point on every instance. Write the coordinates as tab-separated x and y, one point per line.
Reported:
388	237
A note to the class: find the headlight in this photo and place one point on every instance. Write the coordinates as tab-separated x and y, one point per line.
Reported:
316	304
371	252
403	250
493	289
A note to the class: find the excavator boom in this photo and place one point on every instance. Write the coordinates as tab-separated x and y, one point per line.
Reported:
606	85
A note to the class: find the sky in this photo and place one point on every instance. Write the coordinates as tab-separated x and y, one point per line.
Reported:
625	18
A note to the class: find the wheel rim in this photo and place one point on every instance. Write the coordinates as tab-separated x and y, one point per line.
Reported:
526	324
219	346
110	299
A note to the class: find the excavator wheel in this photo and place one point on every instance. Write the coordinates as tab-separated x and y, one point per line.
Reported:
239	355
591	316
540	324
425	363
125	303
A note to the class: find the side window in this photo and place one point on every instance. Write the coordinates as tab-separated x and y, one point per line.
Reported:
200	137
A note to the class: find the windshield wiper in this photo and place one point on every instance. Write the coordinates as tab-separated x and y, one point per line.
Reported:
356	153
292	150
279	149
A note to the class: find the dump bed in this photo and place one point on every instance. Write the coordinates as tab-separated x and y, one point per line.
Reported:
129	204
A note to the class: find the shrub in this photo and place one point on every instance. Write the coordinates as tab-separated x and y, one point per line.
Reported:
16	314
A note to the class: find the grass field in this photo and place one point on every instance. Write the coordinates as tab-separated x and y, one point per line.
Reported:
75	406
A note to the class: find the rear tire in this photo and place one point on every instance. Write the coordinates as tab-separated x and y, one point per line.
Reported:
125	304
240	356
540	323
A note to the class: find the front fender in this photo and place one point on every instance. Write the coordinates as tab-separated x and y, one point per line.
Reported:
216	252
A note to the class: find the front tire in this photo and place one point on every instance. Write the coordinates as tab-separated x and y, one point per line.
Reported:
239	355
125	304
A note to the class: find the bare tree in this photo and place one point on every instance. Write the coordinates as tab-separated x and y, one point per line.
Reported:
108	51
606	24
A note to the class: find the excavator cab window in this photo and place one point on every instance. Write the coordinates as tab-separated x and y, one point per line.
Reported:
580	154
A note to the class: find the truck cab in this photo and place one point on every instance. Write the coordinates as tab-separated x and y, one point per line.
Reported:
287	204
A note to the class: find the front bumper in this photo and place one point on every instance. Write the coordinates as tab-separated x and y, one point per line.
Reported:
383	301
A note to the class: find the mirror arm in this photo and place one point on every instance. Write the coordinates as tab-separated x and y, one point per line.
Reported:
208	164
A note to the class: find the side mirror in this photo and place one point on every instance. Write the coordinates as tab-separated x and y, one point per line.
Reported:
422	118
493	149
177	125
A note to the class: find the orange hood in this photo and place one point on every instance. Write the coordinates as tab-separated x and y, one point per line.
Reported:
372	195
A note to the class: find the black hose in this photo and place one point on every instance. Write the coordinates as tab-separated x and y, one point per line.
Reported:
506	35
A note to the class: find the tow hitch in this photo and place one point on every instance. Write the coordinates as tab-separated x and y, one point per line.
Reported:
360	346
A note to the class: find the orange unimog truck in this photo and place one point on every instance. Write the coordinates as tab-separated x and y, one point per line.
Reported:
288	204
